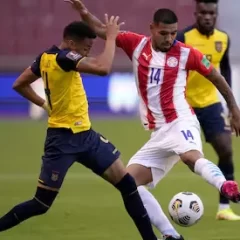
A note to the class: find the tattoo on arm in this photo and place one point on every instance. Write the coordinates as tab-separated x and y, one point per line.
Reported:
218	80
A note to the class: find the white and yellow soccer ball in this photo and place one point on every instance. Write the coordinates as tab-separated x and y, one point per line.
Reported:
186	209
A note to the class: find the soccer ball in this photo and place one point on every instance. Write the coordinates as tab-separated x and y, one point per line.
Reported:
186	209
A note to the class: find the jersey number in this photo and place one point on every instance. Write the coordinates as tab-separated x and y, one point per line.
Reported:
187	134
47	90
155	75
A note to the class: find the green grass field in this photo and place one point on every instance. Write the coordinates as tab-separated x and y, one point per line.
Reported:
87	207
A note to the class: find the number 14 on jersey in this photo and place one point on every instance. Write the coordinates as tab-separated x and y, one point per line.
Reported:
155	75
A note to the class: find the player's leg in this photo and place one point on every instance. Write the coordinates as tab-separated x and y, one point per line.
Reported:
103	159
216	128
148	166
54	168
190	151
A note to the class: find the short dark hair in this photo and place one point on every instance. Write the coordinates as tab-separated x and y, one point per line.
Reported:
165	15
206	1
78	30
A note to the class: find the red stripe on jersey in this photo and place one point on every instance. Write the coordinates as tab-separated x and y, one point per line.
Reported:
185	96
143	70
169	80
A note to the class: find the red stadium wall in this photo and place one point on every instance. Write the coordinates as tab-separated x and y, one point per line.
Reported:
29	26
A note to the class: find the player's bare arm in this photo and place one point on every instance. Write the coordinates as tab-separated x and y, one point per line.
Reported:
219	81
101	65
98	26
22	86
225	67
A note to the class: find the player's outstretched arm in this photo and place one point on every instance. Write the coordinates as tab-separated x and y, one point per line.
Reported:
98	26
221	84
22	85
102	64
198	62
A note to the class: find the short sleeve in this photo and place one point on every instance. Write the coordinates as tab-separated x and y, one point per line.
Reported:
198	62
35	67
68	60
128	41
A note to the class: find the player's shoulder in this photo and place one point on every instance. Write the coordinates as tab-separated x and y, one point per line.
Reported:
183	45
188	29
68	59
219	33
131	34
51	50
182	33
66	54
129	41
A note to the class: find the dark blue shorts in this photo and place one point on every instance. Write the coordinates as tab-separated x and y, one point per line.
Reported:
63	148
213	120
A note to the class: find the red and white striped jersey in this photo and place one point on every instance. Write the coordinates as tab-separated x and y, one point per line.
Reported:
161	77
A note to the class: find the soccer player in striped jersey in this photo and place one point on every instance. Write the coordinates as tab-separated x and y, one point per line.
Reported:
161	65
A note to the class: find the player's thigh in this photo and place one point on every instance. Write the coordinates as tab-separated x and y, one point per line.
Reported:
214	121
152	162
103	158
186	136
54	169
57	159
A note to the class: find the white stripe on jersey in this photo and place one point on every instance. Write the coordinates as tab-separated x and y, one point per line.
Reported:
182	107
136	54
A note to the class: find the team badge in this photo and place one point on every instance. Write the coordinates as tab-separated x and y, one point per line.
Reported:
218	46
172	62
55	176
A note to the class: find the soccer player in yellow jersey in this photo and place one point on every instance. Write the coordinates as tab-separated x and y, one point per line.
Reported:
70	137
203	95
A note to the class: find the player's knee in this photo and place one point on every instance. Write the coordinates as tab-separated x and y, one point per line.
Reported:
39	208
127	185
43	200
115	172
190	158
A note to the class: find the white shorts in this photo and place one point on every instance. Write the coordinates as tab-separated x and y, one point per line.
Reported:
162	151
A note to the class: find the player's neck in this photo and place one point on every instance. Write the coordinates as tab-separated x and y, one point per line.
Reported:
156	48
203	31
62	46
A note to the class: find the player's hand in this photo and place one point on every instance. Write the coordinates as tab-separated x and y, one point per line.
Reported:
78	6
235	121
46	108
112	26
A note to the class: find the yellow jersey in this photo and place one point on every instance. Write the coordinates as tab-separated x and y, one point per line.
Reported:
64	89
200	92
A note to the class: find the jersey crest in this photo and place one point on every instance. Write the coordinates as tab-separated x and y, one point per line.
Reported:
218	46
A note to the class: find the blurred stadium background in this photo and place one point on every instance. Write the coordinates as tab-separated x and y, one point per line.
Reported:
87	208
